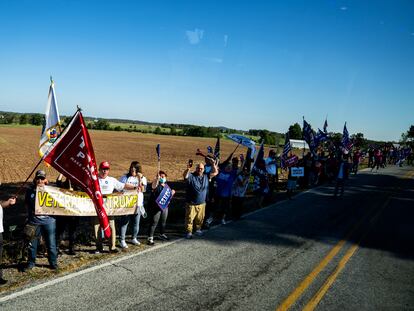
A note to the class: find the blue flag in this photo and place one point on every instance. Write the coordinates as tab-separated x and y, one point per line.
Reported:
345	137
164	198
320	137
209	149
309	136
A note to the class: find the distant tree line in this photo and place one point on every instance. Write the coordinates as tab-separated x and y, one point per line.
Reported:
258	135
21	118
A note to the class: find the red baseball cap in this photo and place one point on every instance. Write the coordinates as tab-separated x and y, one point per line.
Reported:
104	165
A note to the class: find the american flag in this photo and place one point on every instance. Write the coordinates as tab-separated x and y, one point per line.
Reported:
287	148
345	137
308	135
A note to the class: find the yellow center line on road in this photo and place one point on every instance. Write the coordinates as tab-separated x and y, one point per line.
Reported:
341	265
299	290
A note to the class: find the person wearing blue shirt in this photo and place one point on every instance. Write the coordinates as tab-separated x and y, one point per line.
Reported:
197	190
225	180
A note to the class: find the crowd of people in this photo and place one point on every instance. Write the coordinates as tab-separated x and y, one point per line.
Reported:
215	192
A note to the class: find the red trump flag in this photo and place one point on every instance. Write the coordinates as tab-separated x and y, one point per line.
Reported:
72	155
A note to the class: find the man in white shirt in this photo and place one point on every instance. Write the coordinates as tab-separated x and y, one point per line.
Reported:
3	204
108	184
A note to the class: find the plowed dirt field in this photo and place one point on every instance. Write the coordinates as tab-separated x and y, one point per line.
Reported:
19	152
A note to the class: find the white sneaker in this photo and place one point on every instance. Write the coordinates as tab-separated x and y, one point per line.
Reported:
223	221
189	235
123	244
135	242
209	220
199	233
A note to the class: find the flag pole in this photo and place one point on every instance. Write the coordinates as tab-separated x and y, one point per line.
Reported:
158	149
303	151
235	148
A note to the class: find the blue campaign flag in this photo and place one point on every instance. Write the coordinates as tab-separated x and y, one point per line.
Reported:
345	137
158	149
320	137
346	141
164	198
325	125
308	135
209	149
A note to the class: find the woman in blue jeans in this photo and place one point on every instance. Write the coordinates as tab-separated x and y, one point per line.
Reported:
45	225
137	179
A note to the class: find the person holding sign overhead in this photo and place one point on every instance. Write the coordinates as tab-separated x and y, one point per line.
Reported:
160	198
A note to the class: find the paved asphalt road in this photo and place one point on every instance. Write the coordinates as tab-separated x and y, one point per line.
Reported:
350	253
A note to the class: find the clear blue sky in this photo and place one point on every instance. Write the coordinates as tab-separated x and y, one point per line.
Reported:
240	64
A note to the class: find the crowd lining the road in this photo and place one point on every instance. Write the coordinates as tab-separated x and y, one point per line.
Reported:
215	192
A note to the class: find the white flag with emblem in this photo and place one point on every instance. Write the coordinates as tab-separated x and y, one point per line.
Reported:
51	127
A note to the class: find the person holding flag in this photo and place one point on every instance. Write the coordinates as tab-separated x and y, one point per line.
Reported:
159	201
239	191
72	155
260	182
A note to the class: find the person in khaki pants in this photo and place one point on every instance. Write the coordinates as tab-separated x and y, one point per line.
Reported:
197	189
